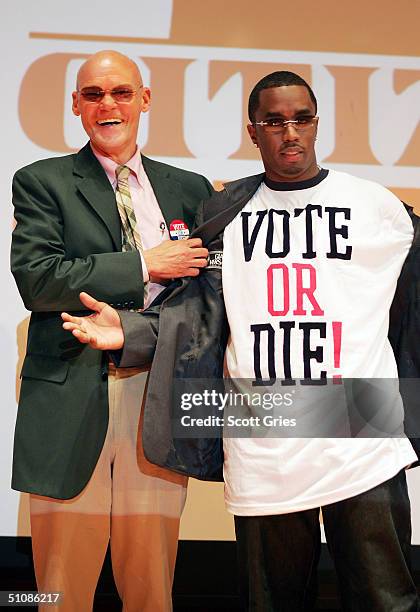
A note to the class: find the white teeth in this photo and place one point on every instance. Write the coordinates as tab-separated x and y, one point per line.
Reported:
108	121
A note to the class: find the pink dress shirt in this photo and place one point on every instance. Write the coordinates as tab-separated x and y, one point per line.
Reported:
150	220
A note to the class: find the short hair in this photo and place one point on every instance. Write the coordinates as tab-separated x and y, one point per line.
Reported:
280	78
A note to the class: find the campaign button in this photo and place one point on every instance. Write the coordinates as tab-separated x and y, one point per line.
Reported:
178	230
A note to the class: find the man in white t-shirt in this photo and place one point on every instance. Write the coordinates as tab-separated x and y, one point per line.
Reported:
311	260
336	250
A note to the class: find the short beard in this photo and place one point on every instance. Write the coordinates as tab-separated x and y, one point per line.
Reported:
292	170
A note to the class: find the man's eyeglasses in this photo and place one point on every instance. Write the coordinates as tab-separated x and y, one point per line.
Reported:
119	94
277	124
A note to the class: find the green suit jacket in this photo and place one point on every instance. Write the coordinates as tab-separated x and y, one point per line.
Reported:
68	239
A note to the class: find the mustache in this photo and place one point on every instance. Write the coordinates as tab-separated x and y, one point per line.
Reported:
291	145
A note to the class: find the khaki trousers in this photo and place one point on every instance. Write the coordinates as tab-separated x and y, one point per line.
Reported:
129	502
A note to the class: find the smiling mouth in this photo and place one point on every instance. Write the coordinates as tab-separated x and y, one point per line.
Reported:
110	121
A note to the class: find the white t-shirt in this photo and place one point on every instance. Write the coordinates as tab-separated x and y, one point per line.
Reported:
325	253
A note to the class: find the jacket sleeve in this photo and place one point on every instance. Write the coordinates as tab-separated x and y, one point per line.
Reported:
140	337
404	332
404	329
47	279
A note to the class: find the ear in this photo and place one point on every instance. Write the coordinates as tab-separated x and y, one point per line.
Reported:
252	133
316	127
146	95
75	104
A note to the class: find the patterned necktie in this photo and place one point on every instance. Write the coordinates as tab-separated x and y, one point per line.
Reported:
130	234
131	239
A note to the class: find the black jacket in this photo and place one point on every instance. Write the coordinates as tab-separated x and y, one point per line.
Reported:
404	335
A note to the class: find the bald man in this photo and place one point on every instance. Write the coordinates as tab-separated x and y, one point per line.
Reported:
106	220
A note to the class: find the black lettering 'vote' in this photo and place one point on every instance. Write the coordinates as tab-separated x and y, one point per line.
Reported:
336	229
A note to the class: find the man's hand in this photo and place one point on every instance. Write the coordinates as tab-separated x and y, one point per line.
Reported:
102	330
176	258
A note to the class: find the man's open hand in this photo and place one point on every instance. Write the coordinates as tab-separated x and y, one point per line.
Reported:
176	258
102	330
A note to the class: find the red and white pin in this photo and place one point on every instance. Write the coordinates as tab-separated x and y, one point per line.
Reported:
178	230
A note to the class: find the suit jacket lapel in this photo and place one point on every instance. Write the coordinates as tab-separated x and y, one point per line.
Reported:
93	184
167	189
225	209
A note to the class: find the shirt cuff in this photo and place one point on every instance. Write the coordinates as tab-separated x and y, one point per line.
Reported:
146	277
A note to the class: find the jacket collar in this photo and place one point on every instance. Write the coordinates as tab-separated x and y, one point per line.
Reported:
244	188
221	213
